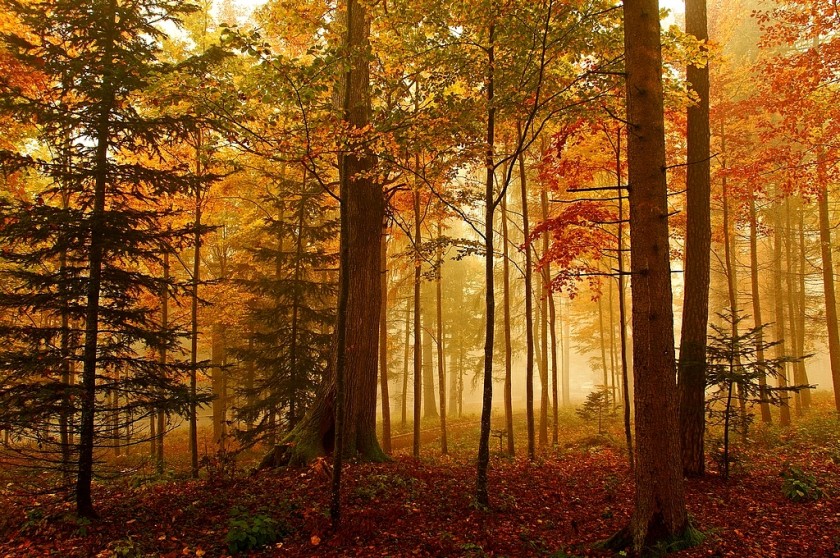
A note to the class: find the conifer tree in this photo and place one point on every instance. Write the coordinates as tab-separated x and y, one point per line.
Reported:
80	250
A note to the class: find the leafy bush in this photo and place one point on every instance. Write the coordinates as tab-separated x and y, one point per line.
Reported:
799	485
250	532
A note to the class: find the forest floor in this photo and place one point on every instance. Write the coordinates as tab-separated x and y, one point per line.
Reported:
560	505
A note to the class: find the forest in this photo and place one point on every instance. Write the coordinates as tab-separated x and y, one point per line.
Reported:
479	278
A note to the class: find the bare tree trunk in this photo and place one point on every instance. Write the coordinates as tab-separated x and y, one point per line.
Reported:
779	328
383	348
529	312
828	281
429	404
196	279
622	309
800	366
440	361
418	363
506	329
164	325
490	303
406	356
566	342
552	324
766	418
793	318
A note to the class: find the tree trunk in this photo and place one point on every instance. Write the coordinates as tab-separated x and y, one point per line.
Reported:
800	366
552	324
529	312
793	318
383	348
828	286
440	360
766	418
406	356
779	327
217	381
418	362
566	342
164	326
659	512
483	460
429	405
622	308
196	278
506	329
365	210
87	433
692	363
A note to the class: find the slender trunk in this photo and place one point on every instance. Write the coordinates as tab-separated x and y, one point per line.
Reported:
217	371
566	346
552	325
766	418
406	351
489	295
793	318
800	366
779	328
196	279
613	386
84	501
732	290
506	329
828	287
440	361
429	403
603	338
383	348
622	309
545	292
418	382
164	326
529	312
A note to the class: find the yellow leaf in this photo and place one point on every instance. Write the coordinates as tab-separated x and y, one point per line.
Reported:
315	540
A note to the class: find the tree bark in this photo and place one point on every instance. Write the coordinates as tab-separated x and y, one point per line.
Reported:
828	286
552	324
506	329
383	347
692	363
529	312
659	512
84	501
483	460
440	360
779	327
766	417
365	210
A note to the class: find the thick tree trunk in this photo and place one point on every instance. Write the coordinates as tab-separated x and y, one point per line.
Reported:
506	329
365	210
659	512
383	348
766	418
692	363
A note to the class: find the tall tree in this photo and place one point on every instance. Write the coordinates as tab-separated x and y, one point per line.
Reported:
695	317
659	511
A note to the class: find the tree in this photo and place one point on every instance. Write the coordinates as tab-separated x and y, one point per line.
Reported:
736	361
97	58
659	511
697	249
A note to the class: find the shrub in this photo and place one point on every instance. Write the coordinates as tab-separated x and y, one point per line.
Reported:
799	485
250	532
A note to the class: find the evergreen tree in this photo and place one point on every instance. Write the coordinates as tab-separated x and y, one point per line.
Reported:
81	250
291	317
